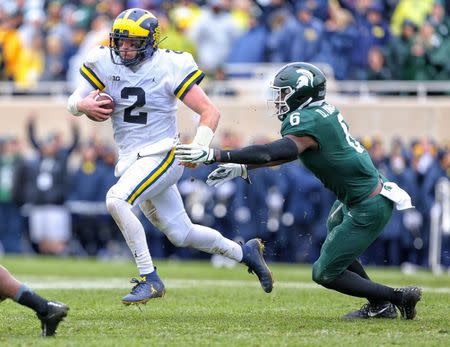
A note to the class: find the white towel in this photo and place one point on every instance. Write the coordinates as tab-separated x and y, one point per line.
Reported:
396	194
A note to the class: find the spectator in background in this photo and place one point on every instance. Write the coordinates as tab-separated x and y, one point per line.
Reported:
63	152
55	68
109	236
33	25
113	7
377	69
439	20
423	160
373	31
280	24
271	7
414	10
305	37
429	55
53	19
250	47
10	46
31	63
97	36
439	168
11	226
242	13
377	152
85	12
301	212
151	5
184	14
399	49
174	36
395	245
46	189
214	34
320	8
338	41
86	192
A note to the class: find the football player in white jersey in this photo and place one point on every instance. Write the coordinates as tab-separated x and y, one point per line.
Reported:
145	83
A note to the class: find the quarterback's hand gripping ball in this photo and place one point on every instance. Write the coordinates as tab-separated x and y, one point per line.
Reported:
108	106
97	106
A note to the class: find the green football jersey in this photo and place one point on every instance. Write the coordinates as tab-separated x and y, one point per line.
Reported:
341	162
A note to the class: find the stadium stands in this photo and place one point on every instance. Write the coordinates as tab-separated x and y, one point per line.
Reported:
388	72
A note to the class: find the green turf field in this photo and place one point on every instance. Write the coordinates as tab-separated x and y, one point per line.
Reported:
205	306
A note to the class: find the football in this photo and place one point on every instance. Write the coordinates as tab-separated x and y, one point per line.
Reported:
104	96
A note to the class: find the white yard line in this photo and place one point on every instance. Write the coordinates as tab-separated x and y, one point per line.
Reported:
122	283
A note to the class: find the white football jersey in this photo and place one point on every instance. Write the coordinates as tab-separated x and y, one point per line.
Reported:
145	100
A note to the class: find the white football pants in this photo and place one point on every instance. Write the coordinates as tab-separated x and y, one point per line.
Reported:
150	182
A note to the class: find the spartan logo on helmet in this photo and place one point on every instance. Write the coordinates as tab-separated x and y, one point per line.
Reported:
305	79
295	86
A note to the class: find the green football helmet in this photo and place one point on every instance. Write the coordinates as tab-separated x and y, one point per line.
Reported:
295	86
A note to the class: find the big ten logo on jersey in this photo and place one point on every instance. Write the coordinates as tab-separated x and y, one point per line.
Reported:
114	78
325	110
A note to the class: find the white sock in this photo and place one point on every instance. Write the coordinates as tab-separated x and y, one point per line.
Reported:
211	241
133	232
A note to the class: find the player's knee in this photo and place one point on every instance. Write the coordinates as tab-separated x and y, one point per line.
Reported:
319	274
178	239
177	231
177	236
114	204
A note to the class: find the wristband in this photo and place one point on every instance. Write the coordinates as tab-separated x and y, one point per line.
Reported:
204	136
72	105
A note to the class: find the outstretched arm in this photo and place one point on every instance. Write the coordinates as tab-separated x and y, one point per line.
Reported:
271	154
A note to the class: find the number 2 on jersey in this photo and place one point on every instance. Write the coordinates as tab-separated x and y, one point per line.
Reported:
350	139
139	93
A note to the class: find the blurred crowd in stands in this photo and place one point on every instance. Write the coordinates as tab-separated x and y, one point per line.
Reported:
46	40
52	202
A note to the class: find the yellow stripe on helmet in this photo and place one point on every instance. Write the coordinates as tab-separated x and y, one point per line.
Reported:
144	17
133	28
127	13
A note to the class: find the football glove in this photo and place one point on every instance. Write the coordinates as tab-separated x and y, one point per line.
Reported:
194	153
226	172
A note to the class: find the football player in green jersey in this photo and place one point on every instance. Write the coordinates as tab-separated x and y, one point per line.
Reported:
50	313
315	132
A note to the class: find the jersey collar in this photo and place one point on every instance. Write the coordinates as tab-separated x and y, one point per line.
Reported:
317	103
